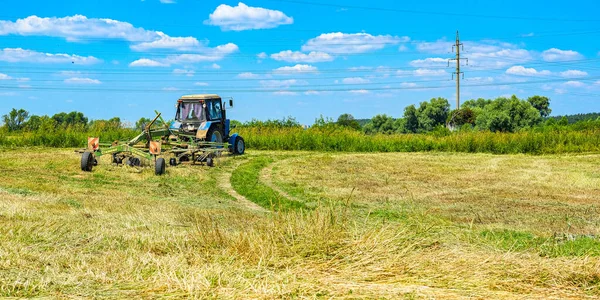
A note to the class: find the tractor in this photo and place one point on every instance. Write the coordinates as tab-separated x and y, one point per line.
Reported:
199	134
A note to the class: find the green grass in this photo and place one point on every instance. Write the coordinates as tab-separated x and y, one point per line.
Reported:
245	179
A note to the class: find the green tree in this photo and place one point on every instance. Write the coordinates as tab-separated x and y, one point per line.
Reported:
542	104
462	116
33	123
507	115
564	121
411	120
433	113
15	119
142	123
73	118
380	124
347	120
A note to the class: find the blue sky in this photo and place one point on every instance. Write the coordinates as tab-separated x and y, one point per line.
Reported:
301	58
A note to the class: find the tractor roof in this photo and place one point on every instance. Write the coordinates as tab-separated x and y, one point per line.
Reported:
200	97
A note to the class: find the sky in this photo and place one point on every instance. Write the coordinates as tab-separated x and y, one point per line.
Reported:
300	58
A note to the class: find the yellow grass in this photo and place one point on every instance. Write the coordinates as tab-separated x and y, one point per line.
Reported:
385	225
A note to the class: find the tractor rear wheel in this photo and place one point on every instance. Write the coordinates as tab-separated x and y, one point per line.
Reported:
160	166
87	161
239	146
214	135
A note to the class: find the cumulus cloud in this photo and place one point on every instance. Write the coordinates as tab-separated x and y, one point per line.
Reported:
362	92
201	84
282	83
573	73
262	55
299	57
574	84
4	77
295	69
430	62
144	62
482	54
408	85
30	56
166	42
185	72
422	72
522	71
555	54
209	55
78	27
285	93
248	75
79	80
244	17
355	80
347	43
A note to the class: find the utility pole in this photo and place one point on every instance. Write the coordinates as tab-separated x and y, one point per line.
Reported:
458	73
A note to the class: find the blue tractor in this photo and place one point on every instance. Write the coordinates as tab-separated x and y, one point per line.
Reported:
203	117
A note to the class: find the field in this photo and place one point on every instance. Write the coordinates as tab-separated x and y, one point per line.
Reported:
302	225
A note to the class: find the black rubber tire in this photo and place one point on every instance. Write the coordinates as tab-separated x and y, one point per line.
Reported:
87	161
237	150
210	161
173	161
160	166
210	133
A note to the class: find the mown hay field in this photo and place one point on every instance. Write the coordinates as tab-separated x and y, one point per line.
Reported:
302	225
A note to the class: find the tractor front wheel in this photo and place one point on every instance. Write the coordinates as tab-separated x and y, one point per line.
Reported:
160	166
87	161
239	146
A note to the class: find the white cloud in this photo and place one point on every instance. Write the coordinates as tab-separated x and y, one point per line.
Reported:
555	54
24	86
167	1
430	62
355	80
574	84
215	66
359	91
8	94
282	83
171	89
144	62
209	54
522	71
295	69
402	48
573	73
421	72
243	17
285	93
485	53
408	85
4	77
30	56
185	72
312	93
69	73
347	43
248	75
262	55
299	57
166	42
201	84
78	28
80	80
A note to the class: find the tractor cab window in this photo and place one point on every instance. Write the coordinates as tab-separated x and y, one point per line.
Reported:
190	112
214	109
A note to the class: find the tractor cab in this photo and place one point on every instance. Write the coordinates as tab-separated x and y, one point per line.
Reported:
204	116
